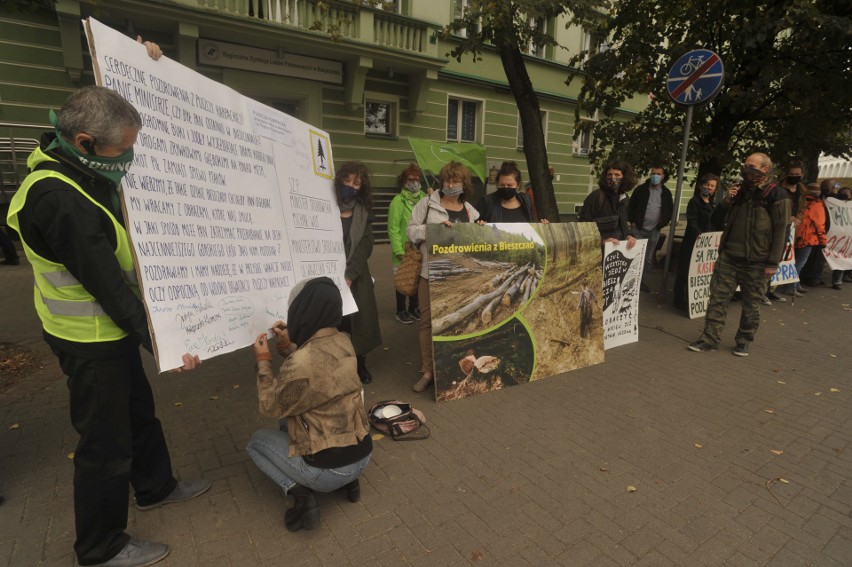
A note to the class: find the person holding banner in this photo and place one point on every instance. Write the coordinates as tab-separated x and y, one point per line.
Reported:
447	206
399	213
699	211
352	183
756	215
840	276
608	205
68	215
323	440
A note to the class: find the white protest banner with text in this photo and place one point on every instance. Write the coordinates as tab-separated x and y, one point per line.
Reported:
212	242
701	267
622	274
838	248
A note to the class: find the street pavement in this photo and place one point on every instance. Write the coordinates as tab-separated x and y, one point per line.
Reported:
734	461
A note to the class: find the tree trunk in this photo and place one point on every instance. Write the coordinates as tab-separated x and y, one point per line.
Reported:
535	148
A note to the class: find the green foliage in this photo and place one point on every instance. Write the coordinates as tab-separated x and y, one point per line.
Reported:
27	6
787	80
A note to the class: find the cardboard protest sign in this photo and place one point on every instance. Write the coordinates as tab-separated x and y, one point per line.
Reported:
622	276
701	267
229	203
511	303
838	249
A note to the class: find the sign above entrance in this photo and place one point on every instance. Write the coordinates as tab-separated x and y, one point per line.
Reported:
221	54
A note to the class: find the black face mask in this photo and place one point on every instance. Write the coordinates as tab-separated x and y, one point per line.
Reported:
506	193
752	176
793	179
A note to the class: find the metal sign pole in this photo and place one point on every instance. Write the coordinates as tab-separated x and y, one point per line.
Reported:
687	125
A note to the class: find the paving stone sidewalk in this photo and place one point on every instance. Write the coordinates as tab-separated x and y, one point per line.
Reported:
537	474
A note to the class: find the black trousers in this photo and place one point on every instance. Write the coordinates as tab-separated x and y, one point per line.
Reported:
121	443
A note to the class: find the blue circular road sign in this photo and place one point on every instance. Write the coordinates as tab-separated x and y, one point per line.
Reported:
696	77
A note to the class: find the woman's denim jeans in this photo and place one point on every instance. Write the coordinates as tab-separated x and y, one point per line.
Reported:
269	449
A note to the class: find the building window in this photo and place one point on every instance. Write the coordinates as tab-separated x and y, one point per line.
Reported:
583	138
462	120
531	48
461	7
543	115
380	114
591	43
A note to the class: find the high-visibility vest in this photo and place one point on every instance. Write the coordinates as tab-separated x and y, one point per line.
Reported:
64	306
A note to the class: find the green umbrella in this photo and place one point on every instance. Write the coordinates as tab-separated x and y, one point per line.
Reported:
432	156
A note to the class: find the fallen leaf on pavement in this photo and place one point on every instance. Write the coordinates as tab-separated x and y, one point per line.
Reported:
15	426
776	370
699	446
604	469
776	451
817	393
377	436
214	397
784	480
832	355
476	556
71	456
769	411
236	386
631	489
178	404
387	348
834	390
781	382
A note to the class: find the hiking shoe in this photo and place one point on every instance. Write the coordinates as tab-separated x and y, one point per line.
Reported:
185	490
740	350
138	553
415	313
701	346
404	317
835	286
765	300
775	297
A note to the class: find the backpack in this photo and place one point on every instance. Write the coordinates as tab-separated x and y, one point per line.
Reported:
395	419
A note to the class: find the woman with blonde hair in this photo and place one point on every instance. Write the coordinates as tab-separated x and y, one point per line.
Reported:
448	205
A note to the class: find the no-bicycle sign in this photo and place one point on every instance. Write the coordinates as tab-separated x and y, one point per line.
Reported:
696	77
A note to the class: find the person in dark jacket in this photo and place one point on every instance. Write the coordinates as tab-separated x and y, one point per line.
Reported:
649	210
756	216
608	205
352	183
71	226
507	204
698	220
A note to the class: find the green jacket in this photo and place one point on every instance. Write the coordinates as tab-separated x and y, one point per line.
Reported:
399	213
755	225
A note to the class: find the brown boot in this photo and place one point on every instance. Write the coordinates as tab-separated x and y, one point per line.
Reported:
423	383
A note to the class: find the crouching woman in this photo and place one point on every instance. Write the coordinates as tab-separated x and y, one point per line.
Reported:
323	441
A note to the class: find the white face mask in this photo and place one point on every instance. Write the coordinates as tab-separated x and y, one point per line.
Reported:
452	190
413	186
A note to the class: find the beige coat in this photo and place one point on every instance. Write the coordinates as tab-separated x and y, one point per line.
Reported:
416	229
318	391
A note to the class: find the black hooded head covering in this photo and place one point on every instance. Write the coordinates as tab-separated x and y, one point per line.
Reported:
314	304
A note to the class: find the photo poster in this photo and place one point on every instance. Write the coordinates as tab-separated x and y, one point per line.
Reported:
512	303
622	276
701	267
229	203
838	247
787	267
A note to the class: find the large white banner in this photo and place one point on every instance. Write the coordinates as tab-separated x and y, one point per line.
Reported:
228	204
622	276
838	249
701	267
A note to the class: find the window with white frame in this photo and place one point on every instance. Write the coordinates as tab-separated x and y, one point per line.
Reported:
543	115
463	118
583	138
461	6
381	114
591	43
531	48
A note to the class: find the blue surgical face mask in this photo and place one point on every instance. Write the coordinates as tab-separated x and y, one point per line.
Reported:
452	190
656	179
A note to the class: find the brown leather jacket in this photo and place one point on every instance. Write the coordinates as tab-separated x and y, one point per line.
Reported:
318	391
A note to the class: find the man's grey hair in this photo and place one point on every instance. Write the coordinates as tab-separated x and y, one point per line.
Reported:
100	112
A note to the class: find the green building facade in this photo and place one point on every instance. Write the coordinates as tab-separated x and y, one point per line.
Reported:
385	76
